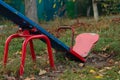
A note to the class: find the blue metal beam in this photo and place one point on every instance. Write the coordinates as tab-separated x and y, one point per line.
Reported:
26	23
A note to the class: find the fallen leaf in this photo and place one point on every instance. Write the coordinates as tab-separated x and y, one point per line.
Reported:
27	78
18	53
118	72
53	51
111	61
106	47
99	77
81	65
92	71
30	78
102	71
116	62
42	72
74	70
47	62
108	68
82	75
105	55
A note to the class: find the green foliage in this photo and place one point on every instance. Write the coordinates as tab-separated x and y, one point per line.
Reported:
111	6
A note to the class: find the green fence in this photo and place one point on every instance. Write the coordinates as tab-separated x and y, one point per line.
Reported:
47	9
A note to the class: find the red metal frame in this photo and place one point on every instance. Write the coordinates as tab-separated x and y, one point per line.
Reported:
76	54
70	28
72	41
28	38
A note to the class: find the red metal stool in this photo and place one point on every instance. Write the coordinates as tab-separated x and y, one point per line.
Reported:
28	38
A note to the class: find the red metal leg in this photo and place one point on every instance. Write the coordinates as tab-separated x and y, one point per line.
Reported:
28	38
24	45
24	51
7	47
32	50
48	46
50	53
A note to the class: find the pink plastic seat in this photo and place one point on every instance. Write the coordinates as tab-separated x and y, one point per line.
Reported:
84	42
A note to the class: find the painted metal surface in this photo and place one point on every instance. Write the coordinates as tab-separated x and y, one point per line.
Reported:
28	39
27	24
69	28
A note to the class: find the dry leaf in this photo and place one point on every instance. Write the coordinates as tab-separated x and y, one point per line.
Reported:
98	77
108	68
81	65
111	61
116	62
82	75
102	72
92	71
18	53
30	78
106	47
27	78
118	72
42	72
47	62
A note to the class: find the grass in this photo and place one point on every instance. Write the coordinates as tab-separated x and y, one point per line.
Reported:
109	43
81	75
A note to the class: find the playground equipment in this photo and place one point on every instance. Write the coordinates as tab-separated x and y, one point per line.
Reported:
28	38
69	28
83	44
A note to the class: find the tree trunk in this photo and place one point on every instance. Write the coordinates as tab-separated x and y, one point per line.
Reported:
88	11
95	10
31	10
